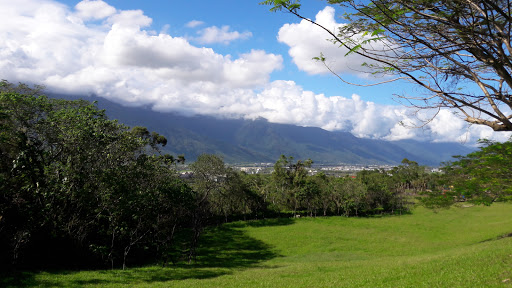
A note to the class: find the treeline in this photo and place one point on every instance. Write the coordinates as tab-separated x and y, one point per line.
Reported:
290	188
80	190
77	188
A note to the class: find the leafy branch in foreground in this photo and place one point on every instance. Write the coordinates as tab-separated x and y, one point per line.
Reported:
457	51
483	177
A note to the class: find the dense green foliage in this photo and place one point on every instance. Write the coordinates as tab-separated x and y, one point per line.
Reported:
291	188
75	184
481	177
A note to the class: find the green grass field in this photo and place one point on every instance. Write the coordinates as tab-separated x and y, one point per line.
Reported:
459	247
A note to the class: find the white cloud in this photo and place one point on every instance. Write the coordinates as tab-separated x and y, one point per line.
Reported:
44	43
165	29
215	34
305	42
130	19
90	9
194	24
49	43
447	127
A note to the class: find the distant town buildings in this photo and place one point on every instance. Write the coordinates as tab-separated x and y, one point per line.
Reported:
341	169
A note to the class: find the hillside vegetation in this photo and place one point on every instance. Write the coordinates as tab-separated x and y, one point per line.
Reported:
459	247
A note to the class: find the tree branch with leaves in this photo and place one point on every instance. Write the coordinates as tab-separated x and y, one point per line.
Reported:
458	51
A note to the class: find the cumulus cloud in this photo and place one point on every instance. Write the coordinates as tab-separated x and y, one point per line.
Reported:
93	48
305	42
91	9
215	34
45	43
134	19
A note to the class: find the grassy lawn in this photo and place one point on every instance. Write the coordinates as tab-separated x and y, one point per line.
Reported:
459	247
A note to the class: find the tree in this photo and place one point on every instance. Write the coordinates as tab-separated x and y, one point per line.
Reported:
458	51
209	174
181	159
71	176
240	198
482	177
309	193
408	178
22	167
336	193
385	192
288	180
354	196
208	180
326	194
257	188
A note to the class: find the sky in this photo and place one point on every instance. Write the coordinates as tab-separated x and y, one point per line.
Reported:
226	58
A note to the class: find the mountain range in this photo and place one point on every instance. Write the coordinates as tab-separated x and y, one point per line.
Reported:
259	141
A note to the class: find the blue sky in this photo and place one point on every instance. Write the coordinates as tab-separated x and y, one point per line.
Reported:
227	58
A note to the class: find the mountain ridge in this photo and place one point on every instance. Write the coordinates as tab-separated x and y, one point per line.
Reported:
260	141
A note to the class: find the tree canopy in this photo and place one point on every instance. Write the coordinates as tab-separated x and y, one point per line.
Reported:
482	177
459	51
72	179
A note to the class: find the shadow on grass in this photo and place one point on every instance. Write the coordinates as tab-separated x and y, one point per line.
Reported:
262	223
222	250
227	247
115	278
506	235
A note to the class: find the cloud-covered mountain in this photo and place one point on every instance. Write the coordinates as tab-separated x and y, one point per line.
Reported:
248	141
